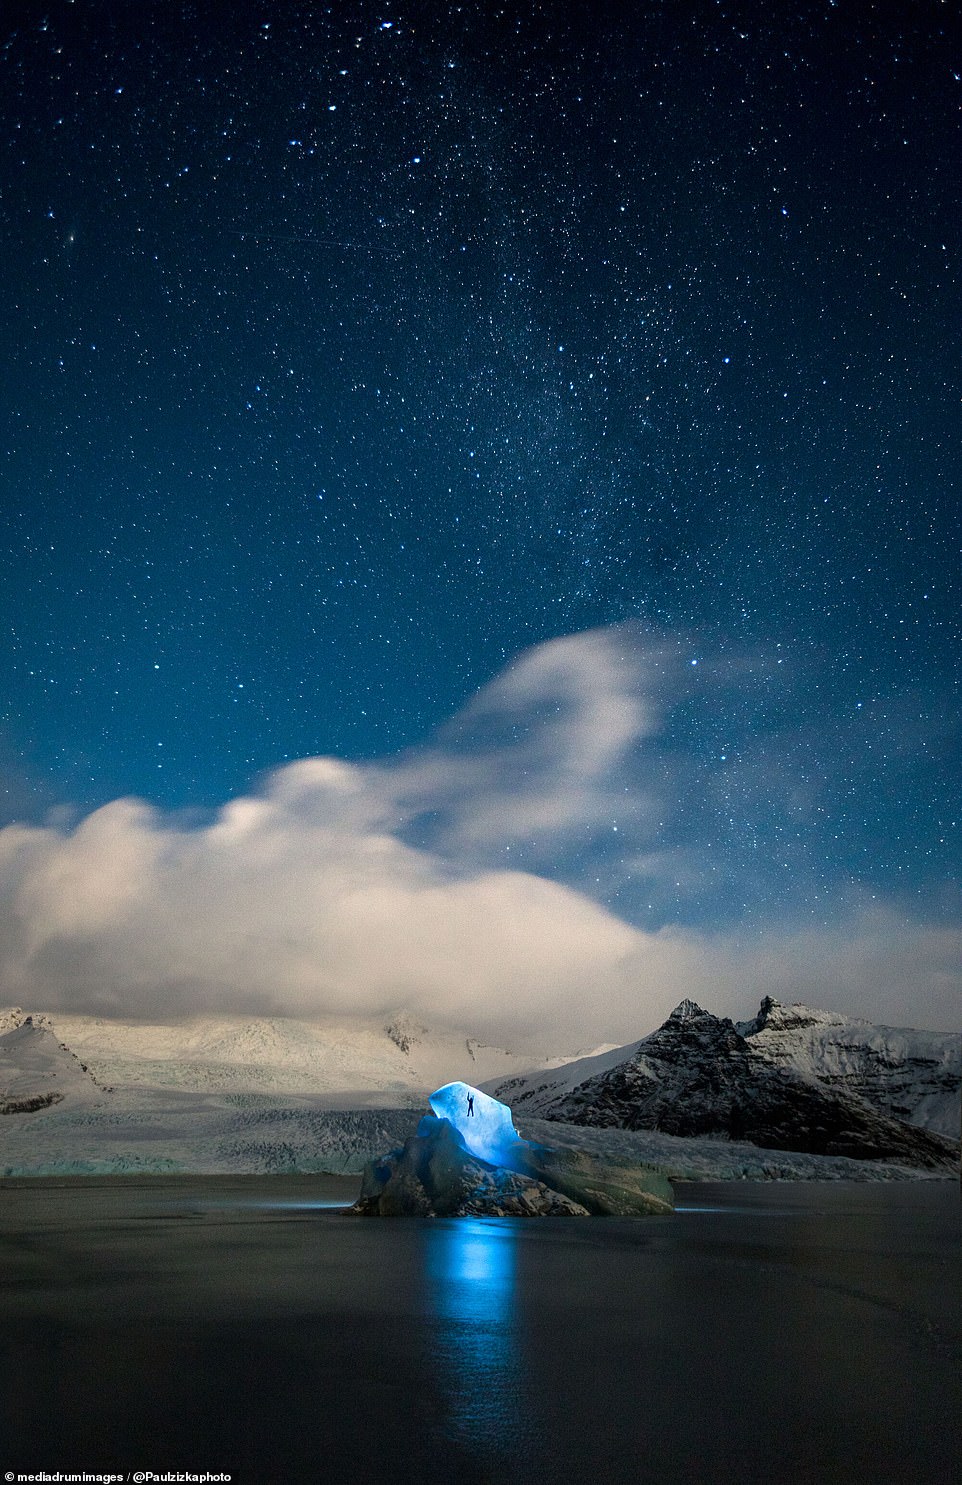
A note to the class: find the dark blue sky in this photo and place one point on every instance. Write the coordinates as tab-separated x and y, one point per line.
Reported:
350	352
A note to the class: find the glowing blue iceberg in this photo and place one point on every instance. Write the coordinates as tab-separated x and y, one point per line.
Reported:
483	1123
468	1160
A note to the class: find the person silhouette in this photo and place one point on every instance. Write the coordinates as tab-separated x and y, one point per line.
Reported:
470	1105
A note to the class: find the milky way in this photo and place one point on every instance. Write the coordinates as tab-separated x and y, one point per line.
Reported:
352	356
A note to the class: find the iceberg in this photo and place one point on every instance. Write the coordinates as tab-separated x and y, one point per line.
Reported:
484	1124
468	1160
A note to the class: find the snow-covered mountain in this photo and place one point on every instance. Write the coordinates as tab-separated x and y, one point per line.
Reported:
86	1095
911	1075
906	1074
347	1063
537	1090
699	1075
81	1094
38	1071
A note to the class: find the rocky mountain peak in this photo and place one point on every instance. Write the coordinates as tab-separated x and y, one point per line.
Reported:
687	1028
774	1016
688	1010
699	1074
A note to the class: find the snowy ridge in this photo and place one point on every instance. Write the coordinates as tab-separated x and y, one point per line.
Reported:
350	1062
37	1070
906	1074
532	1091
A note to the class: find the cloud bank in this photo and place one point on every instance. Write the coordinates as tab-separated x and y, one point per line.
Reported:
430	882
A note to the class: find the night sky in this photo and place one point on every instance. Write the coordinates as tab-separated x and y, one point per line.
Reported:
511	404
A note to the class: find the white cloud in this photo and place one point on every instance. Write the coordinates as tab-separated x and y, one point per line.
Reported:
536	755
310	897
272	907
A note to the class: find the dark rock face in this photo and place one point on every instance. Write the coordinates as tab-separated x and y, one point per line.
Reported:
404	1032
30	1105
433	1175
696	1075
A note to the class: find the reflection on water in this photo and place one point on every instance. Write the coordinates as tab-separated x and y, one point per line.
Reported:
470	1274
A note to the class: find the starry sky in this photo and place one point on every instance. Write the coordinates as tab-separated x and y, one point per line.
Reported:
547	414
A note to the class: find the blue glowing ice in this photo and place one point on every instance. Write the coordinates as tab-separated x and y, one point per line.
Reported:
482	1122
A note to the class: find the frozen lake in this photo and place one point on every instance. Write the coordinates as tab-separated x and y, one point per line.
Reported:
772	1333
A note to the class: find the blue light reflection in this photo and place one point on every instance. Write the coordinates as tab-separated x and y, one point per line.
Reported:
470	1272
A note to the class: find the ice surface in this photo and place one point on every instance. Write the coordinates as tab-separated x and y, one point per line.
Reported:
172	1130
350	1062
483	1123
